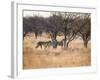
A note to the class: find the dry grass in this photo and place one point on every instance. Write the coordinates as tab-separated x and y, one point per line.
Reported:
76	55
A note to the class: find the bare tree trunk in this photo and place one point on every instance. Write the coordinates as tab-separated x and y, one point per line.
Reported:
85	40
36	34
67	44
65	41
85	43
65	34
55	35
54	41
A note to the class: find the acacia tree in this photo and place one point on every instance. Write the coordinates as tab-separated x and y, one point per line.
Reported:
27	26
69	34
73	24
38	25
54	27
82	27
69	23
85	31
33	24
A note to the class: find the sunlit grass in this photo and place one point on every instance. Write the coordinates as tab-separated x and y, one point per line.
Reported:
76	55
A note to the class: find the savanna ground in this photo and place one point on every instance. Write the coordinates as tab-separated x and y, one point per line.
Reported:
75	56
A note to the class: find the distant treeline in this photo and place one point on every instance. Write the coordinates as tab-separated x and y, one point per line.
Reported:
70	24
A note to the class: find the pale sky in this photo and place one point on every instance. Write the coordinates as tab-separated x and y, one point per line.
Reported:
46	14
36	13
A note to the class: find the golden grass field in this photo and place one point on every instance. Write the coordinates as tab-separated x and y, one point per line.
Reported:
75	56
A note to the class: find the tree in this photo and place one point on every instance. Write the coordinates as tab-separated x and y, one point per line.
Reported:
74	24
26	26
85	31
70	24
33	24
54	26
82	27
69	34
